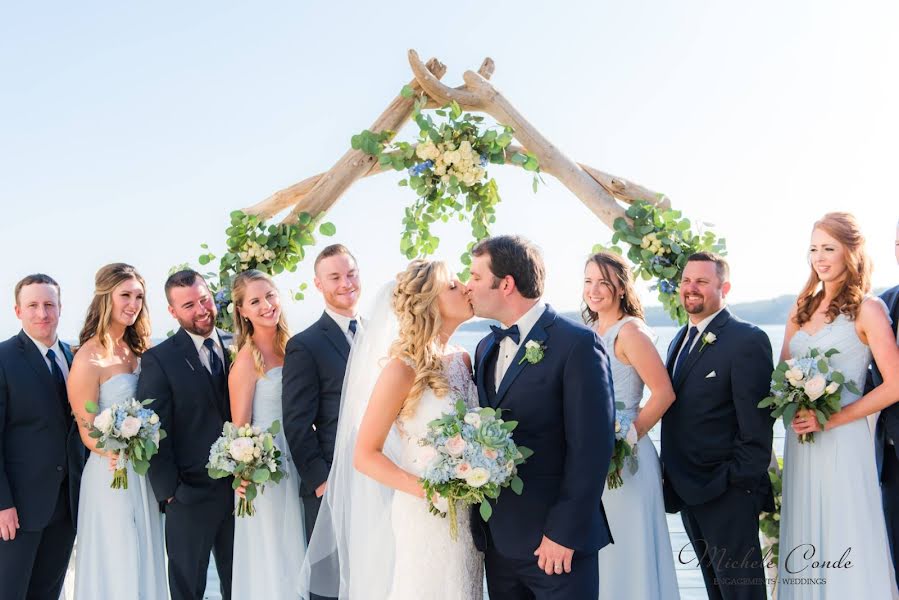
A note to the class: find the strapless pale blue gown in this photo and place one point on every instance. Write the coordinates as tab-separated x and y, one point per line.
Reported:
269	547
640	563
120	549
831	495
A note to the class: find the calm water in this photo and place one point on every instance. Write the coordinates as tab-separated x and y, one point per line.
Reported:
689	577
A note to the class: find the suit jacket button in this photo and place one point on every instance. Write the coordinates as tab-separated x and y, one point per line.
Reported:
59	468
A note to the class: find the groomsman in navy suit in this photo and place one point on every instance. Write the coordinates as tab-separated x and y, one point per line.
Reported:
41	454
187	377
314	366
716	442
887	435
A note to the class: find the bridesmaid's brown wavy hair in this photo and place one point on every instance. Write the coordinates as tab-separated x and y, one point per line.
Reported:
99	313
615	269
843	227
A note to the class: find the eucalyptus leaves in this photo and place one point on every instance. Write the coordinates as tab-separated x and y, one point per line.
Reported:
660	242
254	244
447	170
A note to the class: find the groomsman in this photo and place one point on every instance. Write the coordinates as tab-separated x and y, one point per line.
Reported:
314	366
716	442
887	435
187	377
41	455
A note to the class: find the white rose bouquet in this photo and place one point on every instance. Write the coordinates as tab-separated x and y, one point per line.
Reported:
624	451
130	429
473	459
248	454
808	383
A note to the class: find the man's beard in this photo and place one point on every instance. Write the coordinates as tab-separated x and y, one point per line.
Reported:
192	327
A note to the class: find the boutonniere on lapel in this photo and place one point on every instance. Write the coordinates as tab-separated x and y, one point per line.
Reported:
533	352
708	339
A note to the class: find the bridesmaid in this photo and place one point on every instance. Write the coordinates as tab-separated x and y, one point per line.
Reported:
833	540
266	561
120	552
640	563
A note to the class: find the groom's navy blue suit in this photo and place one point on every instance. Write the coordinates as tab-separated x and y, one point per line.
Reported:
886	438
716	448
565	410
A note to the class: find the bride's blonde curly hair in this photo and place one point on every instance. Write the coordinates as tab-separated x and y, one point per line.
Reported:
415	305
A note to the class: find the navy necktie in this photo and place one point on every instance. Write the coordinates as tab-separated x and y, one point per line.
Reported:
512	333
59	379
682	357
352	328
215	363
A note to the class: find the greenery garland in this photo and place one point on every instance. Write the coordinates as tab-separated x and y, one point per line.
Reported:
660	241
253	244
447	170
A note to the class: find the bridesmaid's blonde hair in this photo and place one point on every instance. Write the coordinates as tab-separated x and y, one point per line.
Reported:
243	328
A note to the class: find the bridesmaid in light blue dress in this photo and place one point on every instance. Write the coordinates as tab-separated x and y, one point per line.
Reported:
833	542
640	563
120	550
269	547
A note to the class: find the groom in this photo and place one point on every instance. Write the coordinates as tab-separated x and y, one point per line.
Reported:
716	442
187	377
552	376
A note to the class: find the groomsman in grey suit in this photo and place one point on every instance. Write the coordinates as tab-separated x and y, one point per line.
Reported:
887	435
314	366
41	454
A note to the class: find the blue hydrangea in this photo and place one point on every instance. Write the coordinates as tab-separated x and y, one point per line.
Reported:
667	286
421	167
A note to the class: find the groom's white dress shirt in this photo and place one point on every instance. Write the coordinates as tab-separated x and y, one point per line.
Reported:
508	348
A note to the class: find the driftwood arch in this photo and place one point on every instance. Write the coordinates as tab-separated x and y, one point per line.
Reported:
602	193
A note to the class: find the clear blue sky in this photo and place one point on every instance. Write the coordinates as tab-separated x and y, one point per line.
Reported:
130	130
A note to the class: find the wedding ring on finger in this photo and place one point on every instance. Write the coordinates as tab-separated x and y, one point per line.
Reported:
558	568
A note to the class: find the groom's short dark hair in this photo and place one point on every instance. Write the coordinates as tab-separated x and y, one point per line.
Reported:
516	256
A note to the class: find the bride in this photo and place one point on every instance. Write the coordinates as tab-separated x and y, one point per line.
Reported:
401	375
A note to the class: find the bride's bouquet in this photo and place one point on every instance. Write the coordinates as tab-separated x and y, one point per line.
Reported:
248	454
807	382
624	452
473	459
130	429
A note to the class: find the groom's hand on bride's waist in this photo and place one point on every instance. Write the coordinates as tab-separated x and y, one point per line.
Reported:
553	558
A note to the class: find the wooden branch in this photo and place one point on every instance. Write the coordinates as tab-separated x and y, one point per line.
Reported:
316	195
480	95
599	191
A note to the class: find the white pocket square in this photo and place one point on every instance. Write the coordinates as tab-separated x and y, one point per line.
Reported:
711	375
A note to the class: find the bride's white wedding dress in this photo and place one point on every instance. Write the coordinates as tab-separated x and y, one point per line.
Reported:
369	540
429	564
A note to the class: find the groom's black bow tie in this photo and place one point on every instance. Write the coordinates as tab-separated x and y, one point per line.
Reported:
512	333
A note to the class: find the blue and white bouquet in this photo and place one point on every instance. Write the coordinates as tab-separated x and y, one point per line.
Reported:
807	382
248	454
624	451
474	458
130	429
